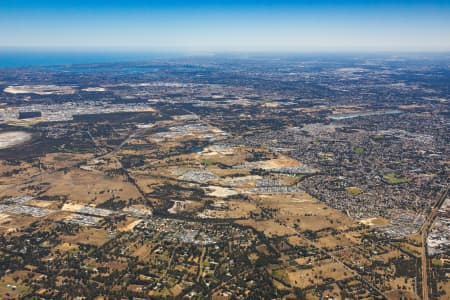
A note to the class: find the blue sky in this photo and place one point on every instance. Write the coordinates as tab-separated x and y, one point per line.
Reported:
220	26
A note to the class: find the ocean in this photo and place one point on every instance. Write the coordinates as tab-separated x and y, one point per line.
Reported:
21	58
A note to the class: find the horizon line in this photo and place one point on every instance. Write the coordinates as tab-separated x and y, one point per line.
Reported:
143	50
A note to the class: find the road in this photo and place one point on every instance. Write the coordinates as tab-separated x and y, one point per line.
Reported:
425	229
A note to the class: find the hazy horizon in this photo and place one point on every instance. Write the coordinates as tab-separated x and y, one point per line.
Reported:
29	57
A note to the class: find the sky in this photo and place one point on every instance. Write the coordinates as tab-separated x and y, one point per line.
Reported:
226	26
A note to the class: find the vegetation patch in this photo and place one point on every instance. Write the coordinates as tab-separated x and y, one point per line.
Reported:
392	178
358	150
354	191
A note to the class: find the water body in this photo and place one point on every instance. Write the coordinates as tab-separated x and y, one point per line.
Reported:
28	58
365	114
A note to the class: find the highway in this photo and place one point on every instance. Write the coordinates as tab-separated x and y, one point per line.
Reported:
425	229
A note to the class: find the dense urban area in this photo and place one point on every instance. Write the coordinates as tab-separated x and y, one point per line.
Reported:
257	177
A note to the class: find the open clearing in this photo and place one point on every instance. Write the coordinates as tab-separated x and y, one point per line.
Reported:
281	162
221	192
374	221
63	160
90	236
89	187
317	274
229	210
268	227
40	89
13	138
303	210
